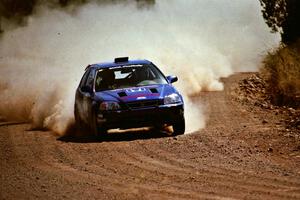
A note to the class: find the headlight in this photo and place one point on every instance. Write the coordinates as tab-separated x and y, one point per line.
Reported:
109	106
172	98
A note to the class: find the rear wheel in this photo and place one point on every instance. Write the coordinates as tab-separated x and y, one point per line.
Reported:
179	126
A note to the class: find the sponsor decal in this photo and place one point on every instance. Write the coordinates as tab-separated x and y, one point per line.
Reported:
125	66
140	95
132	90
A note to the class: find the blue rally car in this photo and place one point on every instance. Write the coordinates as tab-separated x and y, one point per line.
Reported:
127	94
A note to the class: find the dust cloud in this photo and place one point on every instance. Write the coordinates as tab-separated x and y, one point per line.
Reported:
199	41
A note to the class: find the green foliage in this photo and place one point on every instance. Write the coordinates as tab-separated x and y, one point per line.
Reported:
274	12
15	12
283	16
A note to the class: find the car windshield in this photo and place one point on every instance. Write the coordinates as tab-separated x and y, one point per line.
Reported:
128	76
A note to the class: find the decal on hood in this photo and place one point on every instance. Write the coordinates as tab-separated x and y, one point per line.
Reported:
134	90
140	96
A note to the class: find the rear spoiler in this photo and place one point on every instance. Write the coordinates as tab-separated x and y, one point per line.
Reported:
87	67
121	59
117	60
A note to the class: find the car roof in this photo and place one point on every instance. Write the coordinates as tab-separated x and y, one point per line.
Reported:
116	64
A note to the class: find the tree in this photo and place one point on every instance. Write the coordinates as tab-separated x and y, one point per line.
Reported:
283	16
15	12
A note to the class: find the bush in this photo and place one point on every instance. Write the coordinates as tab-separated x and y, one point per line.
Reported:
281	70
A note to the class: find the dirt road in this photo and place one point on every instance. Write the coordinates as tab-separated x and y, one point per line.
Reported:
243	153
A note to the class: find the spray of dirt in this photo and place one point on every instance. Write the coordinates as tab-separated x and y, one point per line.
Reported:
199	41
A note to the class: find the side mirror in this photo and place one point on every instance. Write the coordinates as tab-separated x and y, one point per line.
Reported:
86	88
172	79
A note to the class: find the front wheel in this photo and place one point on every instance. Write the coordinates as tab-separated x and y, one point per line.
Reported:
99	131
179	126
79	124
96	130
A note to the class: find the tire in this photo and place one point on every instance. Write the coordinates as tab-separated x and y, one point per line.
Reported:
179	127
97	131
78	122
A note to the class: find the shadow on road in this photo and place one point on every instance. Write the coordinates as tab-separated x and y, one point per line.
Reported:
114	136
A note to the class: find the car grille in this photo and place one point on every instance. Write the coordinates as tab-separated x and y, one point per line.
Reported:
144	104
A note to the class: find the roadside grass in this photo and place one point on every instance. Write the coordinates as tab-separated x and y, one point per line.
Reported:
281	70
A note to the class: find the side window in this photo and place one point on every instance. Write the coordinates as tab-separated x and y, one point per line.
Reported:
84	77
90	79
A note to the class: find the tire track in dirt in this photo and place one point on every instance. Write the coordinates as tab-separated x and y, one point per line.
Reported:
77	169
150	163
186	165
218	162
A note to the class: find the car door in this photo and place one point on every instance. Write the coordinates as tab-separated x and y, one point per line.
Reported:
87	96
79	95
83	96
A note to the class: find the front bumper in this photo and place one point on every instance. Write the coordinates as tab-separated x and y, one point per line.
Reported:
142	117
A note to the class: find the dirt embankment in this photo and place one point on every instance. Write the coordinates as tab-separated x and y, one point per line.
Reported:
245	152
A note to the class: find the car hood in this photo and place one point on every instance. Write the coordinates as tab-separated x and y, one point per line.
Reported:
136	93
